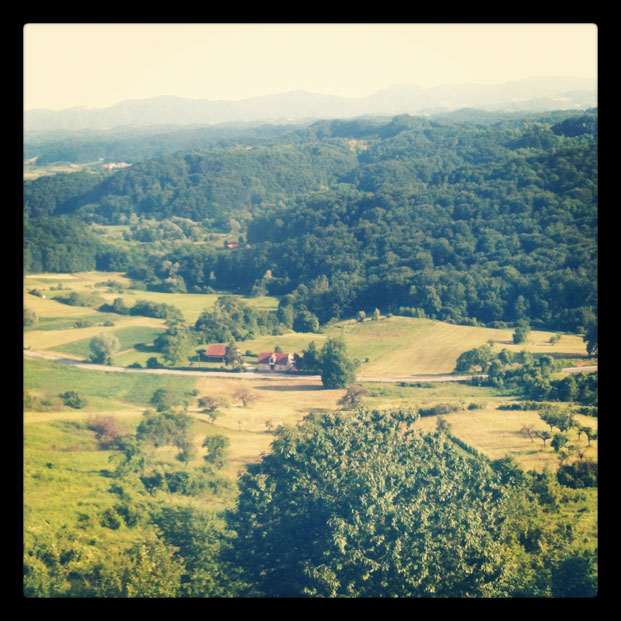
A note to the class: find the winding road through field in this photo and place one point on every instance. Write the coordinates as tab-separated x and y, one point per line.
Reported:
257	375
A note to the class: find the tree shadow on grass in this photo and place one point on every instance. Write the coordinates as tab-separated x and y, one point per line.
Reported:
146	348
296	388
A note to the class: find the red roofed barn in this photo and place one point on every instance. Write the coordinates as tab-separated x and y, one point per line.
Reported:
215	352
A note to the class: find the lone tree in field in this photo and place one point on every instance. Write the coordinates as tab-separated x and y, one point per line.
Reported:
104	348
336	368
381	510
164	399
520	335
528	430
245	395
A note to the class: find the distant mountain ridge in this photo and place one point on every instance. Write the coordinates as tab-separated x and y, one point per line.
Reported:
535	94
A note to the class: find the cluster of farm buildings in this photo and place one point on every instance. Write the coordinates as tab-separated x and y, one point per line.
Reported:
267	361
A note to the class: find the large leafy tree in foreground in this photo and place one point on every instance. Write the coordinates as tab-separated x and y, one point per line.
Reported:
361	505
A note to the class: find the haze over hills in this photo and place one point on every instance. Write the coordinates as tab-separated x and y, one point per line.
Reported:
534	94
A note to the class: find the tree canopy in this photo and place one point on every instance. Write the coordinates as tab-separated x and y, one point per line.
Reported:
360	505
337	369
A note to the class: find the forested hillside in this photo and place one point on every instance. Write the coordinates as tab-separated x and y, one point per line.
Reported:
466	218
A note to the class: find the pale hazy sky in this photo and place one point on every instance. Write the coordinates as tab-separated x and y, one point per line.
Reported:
98	65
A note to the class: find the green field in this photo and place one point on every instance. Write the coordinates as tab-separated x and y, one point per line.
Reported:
65	470
64	473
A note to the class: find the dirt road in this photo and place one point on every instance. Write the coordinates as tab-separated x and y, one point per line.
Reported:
263	376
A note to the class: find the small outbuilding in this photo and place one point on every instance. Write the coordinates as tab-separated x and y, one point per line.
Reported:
215	352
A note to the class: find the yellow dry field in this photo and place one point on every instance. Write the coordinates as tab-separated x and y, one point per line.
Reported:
276	403
496	433
281	402
405	347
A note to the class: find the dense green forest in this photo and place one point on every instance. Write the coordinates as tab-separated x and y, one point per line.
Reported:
469	218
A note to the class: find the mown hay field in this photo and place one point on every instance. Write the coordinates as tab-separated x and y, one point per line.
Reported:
405	346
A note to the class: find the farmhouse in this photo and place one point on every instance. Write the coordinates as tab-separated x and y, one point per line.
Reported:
276	362
215	352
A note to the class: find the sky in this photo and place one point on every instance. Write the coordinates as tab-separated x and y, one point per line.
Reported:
96	65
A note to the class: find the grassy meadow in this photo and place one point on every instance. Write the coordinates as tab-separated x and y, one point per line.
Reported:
65	469
406	346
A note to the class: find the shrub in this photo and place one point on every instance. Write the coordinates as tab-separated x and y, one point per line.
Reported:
153	481
107	429
441	408
30	318
520	335
81	298
104	348
110	519
476	406
164	399
353	396
72	399
31	402
578	475
184	482
217	447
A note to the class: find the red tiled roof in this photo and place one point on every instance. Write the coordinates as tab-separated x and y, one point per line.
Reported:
215	350
265	358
